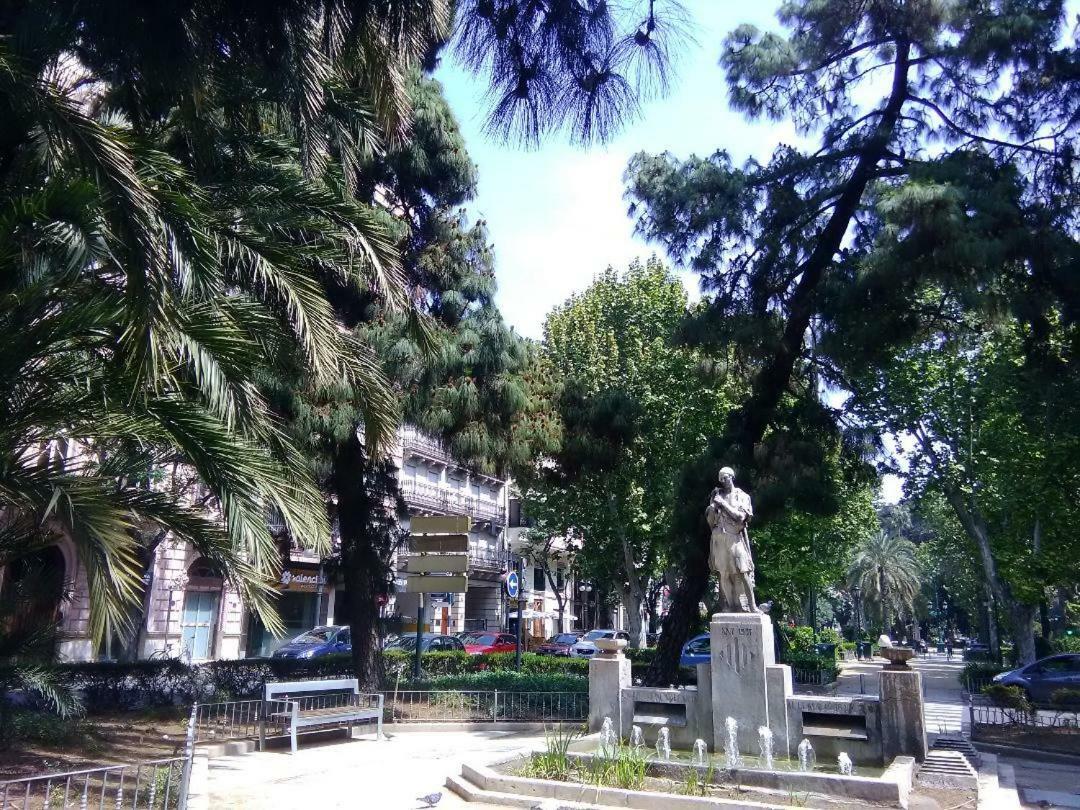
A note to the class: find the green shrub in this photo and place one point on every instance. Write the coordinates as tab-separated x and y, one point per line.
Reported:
977	674
507	681
1065	644
1008	697
829	636
1066	698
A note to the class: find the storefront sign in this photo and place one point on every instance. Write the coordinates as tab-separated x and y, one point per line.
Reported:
299	580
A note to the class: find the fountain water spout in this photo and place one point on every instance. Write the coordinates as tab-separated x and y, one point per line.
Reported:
806	756
765	743
701	752
663	745
843	764
608	739
731	746
637	739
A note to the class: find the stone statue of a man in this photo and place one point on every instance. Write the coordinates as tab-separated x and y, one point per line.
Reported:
728	514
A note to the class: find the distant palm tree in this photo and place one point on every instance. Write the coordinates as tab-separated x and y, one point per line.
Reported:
885	570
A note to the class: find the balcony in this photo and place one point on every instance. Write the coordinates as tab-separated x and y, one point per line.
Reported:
429	497
416	443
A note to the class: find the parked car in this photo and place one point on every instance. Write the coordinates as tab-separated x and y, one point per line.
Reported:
490	643
465	635
586	647
696	651
1041	679
317	642
429	642
559	644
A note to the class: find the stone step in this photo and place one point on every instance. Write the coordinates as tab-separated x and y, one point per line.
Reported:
947	769
465	789
961	744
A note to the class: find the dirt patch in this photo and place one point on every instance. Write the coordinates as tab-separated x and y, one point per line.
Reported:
49	745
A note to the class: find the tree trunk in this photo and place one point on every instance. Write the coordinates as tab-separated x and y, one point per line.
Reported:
1022	619
750	421
363	569
1021	616
634	604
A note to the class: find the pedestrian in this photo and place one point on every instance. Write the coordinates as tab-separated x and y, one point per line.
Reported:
948	648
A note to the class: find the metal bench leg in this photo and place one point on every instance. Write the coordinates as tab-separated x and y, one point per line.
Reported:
292	737
378	726
348	731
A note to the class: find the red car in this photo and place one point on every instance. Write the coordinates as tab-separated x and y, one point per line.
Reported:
490	643
559	644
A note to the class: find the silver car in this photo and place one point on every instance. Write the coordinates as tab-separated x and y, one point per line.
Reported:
586	647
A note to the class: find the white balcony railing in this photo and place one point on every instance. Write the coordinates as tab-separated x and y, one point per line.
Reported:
424	495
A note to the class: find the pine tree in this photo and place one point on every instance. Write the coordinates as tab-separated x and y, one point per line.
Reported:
889	90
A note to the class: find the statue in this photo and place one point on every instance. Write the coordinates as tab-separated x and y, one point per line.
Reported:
728	514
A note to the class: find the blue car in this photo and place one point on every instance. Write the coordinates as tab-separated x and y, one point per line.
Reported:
318	641
696	651
1046	676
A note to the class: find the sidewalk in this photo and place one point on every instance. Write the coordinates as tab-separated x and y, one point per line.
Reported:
386	774
943	695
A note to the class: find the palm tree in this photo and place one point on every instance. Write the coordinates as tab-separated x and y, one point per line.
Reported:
885	569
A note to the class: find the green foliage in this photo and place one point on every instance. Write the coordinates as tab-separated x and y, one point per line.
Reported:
1066	698
1008	697
886	569
552	762
977	674
696	782
632	405
507	680
624	767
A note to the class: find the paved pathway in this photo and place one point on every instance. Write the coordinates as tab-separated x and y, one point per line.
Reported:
364	773
942	692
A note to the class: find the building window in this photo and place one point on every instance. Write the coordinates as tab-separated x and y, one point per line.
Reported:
560	579
433	475
539	582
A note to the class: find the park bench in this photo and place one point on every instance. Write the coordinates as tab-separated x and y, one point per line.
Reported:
311	704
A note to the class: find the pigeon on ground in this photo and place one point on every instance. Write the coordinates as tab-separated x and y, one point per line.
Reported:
431	799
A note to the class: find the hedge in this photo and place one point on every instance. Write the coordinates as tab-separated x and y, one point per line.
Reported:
977	674
169	682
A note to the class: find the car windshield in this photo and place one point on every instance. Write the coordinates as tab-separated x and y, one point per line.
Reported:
489	639
563	638
404	643
319	635
593	635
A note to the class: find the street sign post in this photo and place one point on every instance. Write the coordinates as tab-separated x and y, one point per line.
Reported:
521	610
439	563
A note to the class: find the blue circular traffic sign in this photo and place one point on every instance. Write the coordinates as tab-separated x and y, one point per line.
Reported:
513	584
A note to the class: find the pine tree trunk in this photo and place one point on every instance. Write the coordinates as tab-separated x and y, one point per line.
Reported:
362	567
681	620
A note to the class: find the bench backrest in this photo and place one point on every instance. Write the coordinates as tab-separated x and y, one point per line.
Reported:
299	687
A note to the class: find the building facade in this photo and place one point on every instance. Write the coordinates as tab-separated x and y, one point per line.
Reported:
191	612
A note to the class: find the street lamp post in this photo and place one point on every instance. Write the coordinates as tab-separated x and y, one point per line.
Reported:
856	592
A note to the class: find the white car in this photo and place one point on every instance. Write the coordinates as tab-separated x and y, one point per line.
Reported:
586	648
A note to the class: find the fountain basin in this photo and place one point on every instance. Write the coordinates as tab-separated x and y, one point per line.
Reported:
889	787
897	657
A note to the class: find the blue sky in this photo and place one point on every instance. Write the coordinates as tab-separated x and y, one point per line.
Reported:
556	215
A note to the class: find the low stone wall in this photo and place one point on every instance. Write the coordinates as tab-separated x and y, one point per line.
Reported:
838	724
686	712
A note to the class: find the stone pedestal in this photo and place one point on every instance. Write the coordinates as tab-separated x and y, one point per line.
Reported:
742	648
609	674
903	724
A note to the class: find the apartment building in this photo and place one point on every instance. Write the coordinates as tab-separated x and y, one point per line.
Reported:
191	611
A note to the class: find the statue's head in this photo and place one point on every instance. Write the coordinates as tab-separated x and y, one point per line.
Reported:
727	478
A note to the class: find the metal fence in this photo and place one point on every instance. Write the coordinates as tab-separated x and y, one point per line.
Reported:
437	706
233	720
813	676
155	785
158	784
986	715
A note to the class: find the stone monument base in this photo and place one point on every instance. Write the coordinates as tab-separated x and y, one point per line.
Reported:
609	675
742	649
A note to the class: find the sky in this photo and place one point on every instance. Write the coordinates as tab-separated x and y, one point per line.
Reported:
556	215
